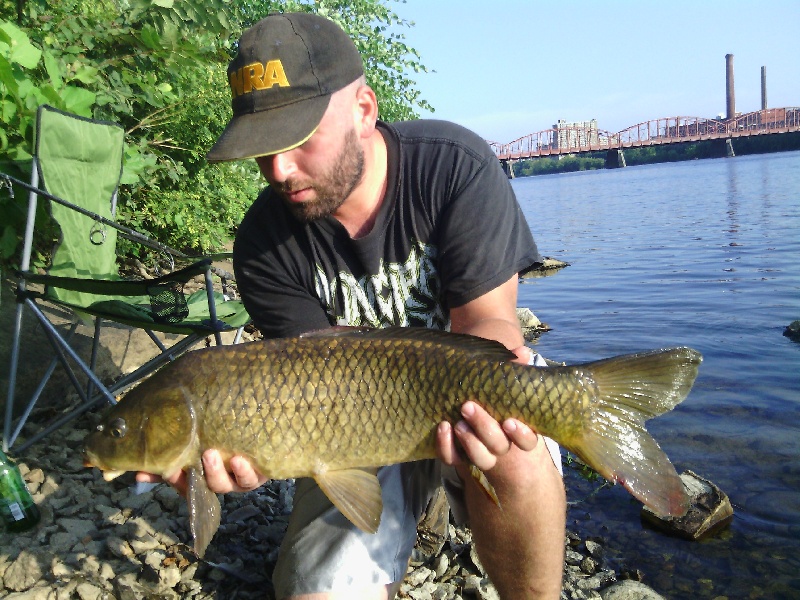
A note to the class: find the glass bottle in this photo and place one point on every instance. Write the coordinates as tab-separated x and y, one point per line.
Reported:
17	508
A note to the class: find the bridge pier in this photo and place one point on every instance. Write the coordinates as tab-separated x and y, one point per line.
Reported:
615	159
508	168
724	148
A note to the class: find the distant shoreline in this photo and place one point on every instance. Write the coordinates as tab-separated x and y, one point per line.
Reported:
591	161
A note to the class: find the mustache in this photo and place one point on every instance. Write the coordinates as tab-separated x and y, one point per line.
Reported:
292	185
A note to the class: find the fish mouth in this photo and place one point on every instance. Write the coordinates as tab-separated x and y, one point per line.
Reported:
108	474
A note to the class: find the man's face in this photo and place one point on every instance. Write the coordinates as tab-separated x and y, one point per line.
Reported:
312	181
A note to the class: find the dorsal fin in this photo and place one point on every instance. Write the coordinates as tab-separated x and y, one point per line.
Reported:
469	343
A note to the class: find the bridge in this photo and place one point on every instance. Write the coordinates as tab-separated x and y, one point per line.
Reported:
585	137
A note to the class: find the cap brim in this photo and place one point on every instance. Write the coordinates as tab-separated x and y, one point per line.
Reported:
270	131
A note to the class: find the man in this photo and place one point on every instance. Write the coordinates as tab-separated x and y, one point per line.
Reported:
364	223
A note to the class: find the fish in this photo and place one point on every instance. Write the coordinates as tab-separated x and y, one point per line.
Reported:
337	404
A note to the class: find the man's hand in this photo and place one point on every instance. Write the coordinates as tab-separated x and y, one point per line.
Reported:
243	477
478	438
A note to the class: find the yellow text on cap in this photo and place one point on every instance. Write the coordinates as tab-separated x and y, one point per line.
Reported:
257	76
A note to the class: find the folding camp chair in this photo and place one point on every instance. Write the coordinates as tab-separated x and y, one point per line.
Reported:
77	167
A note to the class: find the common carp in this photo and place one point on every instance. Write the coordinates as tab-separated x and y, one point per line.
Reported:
335	405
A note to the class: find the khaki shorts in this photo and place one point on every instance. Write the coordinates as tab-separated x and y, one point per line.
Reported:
324	552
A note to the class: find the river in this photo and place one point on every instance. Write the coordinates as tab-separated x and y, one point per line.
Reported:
705	254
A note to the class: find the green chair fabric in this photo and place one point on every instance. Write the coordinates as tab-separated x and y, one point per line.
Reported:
76	169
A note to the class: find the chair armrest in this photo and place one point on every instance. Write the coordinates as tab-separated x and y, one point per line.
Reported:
139	287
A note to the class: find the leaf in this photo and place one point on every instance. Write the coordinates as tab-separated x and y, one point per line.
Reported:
18	47
53	69
8	242
85	74
7	76
78	100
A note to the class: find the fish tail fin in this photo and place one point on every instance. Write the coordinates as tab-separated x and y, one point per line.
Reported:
633	389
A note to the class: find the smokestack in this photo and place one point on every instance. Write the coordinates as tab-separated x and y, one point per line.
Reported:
763	88
730	96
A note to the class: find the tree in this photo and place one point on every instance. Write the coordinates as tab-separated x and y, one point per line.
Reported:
158	68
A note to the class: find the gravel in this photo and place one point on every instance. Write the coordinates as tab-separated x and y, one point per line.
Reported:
99	540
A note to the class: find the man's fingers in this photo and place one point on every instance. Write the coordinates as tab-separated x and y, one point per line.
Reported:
485	428
479	439
143	477
447	447
476	451
520	434
217	477
178	480
245	475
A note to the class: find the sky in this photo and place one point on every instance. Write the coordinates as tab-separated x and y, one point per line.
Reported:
507	68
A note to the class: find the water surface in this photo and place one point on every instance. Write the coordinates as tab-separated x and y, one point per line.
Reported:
706	254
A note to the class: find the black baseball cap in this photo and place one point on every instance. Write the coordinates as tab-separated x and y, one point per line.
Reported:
282	78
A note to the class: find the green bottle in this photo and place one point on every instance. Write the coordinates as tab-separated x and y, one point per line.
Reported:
17	508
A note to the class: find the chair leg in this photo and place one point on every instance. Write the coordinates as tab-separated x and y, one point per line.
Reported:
12	378
154	363
156	341
70	416
61	343
212	307
93	361
62	349
59	357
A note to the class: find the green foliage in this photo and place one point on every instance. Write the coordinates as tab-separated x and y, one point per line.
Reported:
564	164
158	68
387	58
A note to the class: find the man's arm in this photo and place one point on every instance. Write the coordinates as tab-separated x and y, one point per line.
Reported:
492	316
522	545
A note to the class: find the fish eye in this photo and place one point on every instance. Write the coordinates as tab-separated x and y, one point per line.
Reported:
117	428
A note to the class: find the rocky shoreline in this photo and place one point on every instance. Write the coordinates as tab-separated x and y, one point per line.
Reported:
99	540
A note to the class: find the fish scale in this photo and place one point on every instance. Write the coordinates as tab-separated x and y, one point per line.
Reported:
334	405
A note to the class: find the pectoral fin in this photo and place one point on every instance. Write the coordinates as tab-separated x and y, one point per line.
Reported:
356	493
204	510
483	483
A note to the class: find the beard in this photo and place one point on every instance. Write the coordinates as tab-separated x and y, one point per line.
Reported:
332	187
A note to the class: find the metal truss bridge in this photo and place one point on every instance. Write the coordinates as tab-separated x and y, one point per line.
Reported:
671	130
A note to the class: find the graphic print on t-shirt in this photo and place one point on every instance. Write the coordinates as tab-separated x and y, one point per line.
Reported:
404	293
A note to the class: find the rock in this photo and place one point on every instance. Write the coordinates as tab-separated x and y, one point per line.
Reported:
630	590
792	331
433	529
88	591
709	512
78	528
476	560
419	576
594	549
441	565
589	565
25	571
549	266
530	324
40	593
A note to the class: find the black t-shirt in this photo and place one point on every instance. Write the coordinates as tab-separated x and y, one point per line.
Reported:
449	230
